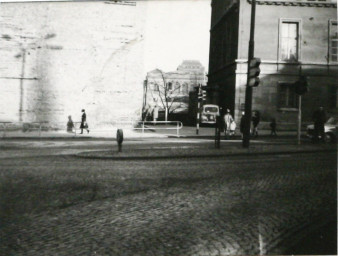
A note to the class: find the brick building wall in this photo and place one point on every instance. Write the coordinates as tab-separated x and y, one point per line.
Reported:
60	57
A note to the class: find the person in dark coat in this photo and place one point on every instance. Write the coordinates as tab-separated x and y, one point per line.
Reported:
273	126
319	119
84	124
70	124
255	121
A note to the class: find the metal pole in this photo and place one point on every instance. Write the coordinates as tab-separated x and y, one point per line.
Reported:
248	90
21	84
299	118
218	132
145	91
198	118
166	114
198	110
5	127
177	132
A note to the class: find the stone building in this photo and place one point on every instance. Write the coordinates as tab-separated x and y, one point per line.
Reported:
171	89
60	57
292	38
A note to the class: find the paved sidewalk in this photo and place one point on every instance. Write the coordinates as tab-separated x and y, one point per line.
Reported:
93	134
160	142
158	131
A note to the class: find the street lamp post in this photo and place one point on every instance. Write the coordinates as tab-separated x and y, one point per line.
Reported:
22	77
24	47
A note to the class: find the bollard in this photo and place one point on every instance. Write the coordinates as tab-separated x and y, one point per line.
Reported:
119	139
177	130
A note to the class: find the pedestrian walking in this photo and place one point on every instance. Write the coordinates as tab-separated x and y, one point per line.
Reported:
255	121
242	124
273	126
319	119
228	119
70	124
84	124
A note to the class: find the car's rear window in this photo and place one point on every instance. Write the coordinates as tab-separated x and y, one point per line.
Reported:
211	109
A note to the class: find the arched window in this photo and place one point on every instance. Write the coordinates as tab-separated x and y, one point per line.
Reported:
185	88
177	87
170	86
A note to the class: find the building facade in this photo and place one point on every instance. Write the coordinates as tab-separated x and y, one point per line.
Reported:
171	89
60	57
293	38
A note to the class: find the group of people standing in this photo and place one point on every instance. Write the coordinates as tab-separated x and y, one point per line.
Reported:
230	124
319	119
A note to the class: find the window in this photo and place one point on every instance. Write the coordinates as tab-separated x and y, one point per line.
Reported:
177	87
289	40
185	88
156	88
170	86
333	41
287	98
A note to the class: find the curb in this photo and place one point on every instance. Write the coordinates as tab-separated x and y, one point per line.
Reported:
237	137
73	138
80	155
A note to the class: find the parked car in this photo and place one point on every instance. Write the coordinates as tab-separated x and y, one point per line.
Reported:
209	113
331	129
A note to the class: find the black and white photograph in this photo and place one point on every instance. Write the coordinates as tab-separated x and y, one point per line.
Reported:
168	127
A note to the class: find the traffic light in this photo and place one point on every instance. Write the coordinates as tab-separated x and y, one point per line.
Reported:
301	86
254	71
202	94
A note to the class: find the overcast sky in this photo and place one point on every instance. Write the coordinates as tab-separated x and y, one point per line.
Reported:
177	30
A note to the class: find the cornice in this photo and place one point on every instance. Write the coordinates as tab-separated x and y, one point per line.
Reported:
329	66
302	3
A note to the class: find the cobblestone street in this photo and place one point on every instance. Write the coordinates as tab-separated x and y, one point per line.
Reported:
70	206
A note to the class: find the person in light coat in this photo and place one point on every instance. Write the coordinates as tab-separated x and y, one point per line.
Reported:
228	119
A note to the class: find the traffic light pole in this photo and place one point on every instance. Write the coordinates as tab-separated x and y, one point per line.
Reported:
198	117
248	91
198	109
299	118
